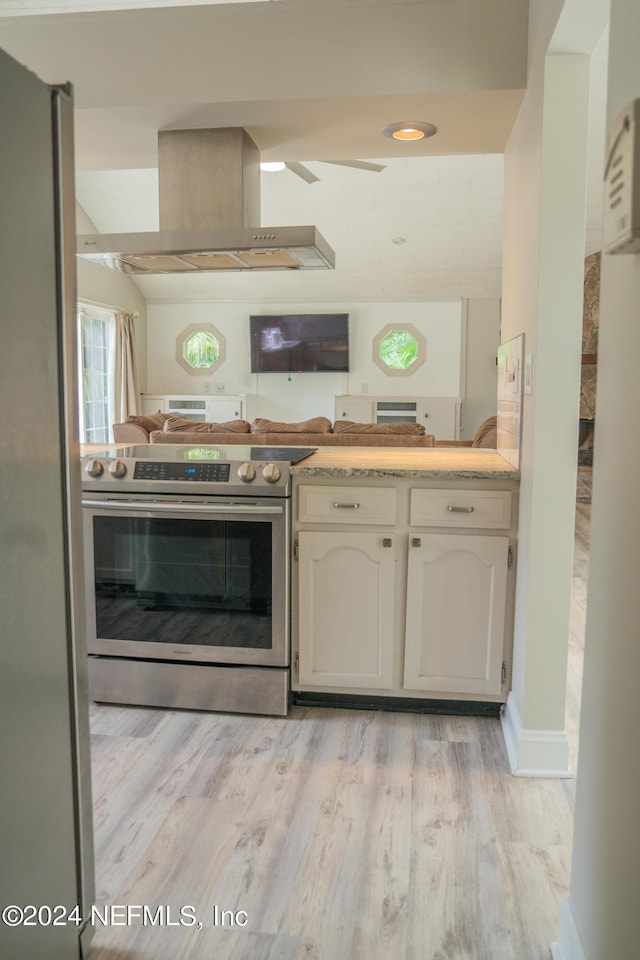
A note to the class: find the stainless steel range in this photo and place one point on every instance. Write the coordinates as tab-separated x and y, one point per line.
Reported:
187	573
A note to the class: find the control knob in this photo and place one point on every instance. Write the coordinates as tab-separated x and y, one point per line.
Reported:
271	472
117	469
94	468
246	472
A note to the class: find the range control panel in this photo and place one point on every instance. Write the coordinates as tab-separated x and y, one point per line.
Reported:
163	470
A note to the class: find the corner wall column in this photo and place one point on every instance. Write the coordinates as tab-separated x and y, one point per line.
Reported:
545	181
600	917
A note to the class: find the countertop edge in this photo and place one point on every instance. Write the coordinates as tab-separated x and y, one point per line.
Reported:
398	472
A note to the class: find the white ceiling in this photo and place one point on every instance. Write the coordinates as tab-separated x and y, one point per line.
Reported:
310	80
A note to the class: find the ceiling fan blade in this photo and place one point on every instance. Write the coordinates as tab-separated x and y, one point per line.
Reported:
301	171
358	164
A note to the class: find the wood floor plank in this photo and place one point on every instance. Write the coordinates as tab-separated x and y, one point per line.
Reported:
535	879
177	868
456	907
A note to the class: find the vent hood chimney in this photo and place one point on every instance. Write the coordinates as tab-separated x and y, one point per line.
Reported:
209	194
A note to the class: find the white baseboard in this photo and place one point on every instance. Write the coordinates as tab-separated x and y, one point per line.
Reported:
569	944
534	753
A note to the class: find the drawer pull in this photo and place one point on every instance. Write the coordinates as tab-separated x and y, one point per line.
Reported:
416	542
346	506
460	509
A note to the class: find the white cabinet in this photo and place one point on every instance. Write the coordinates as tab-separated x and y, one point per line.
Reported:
346	609
358	409
371	505
216	409
221	409
456	601
486	509
403	588
439	415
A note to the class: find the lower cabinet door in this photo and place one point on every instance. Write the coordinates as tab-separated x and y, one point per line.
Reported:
346	609
456	598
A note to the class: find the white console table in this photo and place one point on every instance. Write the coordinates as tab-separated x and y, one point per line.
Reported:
217	408
439	415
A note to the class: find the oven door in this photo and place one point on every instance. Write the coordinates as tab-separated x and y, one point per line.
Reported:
197	581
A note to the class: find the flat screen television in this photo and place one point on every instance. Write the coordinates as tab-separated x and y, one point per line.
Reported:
300	343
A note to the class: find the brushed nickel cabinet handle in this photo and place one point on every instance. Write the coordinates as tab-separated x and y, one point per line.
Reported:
416	542
387	542
460	509
346	506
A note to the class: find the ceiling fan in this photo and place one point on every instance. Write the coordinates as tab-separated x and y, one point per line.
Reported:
301	171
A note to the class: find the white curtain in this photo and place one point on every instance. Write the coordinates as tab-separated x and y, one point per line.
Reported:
126	385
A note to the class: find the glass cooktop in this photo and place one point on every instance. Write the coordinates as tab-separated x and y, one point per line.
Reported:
183	451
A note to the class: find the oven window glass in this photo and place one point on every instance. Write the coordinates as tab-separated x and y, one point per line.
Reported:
184	581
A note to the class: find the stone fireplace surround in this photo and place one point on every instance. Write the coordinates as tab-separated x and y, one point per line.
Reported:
590	327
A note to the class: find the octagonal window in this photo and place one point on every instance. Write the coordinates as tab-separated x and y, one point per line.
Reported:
201	349
399	349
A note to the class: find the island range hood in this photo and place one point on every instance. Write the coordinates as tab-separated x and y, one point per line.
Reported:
209	204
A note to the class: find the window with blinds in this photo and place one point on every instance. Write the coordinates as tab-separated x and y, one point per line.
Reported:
96	348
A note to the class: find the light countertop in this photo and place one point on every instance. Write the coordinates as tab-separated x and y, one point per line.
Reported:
445	463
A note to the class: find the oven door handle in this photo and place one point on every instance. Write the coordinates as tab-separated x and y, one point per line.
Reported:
182	507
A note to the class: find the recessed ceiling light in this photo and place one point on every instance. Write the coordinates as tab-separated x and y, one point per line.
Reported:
409	130
399	240
272	166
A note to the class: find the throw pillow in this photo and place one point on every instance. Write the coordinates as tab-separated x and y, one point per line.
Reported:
403	429
315	425
183	425
152	421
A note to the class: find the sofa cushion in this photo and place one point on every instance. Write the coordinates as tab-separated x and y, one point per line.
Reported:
149	422
402	429
184	425
315	425
486	434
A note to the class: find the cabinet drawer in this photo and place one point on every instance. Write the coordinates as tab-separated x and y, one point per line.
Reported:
347	505
488	509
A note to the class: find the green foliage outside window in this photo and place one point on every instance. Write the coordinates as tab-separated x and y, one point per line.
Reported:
398	349
201	350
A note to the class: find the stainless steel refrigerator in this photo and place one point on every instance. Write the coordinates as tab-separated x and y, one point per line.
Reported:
46	855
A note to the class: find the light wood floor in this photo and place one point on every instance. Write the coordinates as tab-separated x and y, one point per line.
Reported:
344	835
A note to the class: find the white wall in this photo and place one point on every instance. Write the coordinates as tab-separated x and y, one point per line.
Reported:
481	337
311	394
100	285
545	176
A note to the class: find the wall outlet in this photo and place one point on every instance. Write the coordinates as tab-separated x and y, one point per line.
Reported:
364	388
220	387
206	388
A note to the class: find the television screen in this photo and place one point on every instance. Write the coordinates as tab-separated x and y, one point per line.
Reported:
300	343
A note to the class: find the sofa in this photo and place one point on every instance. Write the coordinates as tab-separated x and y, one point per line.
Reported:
317	432
486	436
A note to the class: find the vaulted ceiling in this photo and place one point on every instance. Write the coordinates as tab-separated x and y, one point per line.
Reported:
311	81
